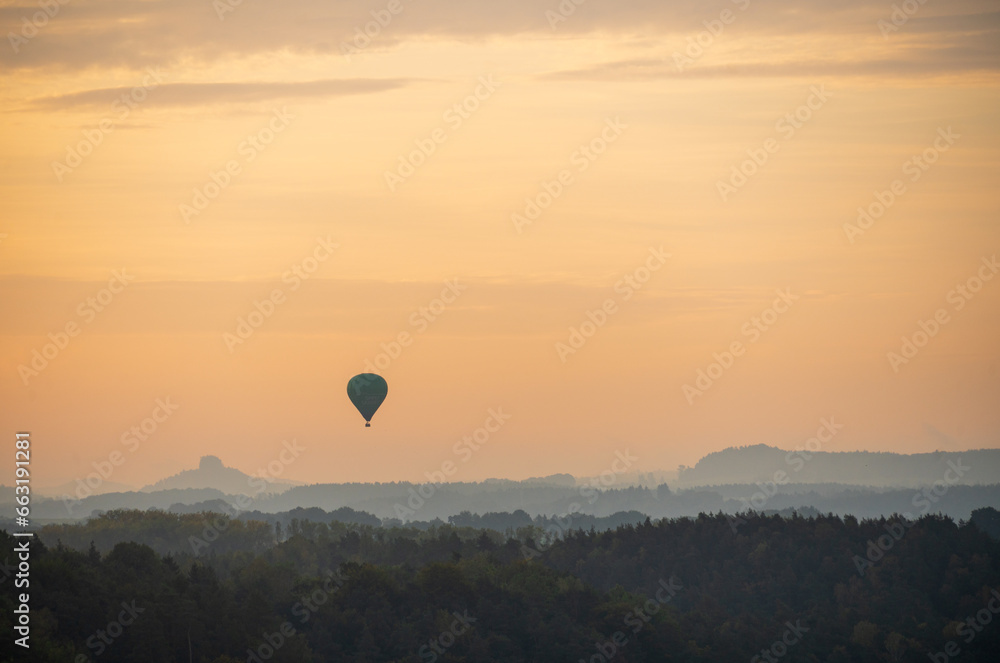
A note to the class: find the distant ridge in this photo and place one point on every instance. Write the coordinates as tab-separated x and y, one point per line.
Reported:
211	473
760	462
551	480
759	477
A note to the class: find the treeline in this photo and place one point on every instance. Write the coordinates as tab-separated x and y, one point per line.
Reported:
221	532
713	588
397	503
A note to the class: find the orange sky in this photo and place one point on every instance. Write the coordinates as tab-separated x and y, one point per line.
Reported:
645	142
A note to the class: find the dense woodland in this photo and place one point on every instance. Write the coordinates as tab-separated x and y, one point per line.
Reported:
711	588
398	502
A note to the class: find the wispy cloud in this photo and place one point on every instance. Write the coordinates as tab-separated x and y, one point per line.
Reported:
934	46
951	61
191	94
113	33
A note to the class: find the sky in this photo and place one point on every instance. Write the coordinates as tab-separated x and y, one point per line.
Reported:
561	231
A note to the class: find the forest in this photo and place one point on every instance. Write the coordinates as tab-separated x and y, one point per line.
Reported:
712	588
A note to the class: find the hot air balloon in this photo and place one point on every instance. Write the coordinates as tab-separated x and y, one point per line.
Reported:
367	391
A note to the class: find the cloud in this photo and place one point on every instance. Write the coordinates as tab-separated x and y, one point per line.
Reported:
187	94
936	45
959	60
162	32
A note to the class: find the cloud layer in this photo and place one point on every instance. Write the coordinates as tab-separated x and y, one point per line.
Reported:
112	33
184	94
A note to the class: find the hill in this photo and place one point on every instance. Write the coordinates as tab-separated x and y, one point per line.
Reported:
211	473
750	464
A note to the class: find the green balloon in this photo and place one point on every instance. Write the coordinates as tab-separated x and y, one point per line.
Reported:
367	391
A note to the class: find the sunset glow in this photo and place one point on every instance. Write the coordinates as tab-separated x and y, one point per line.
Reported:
667	228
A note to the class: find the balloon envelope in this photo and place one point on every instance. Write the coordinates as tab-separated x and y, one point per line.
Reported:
367	391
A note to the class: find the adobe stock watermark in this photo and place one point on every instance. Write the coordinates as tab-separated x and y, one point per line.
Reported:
304	609
92	138
104	638
464	449
697	45
366	34
958	297
634	621
87	310
562	523
914	167
131	440
877	549
924	499
927	497
786	127
606	479
30	27
265	476
454	117
202	196
439	645
581	160
792	636
796	460
247	326
562	12
753	330
223	7
899	16
626	286
261	480
420	320
970	628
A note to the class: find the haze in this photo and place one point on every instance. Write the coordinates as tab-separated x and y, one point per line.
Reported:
620	144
